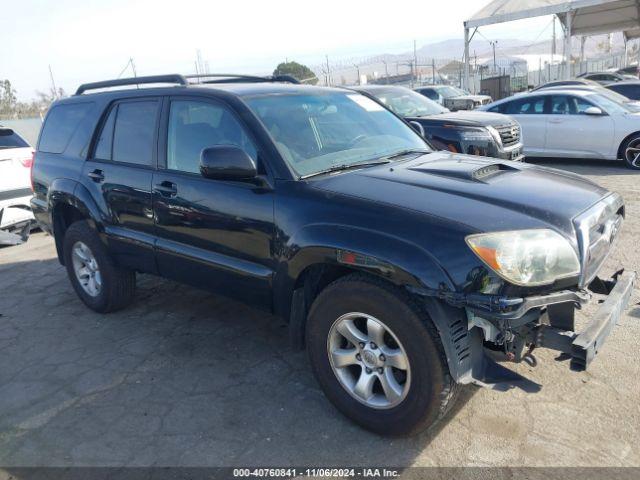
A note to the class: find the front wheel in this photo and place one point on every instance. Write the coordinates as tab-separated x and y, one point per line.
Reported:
631	152
378	357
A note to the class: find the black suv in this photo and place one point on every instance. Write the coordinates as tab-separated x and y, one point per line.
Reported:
404	272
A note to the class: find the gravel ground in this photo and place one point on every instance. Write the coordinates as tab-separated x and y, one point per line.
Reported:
184	378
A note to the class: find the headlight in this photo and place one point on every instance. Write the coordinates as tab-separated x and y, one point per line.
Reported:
479	135
526	257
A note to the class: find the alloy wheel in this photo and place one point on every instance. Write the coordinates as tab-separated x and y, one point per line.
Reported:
86	269
369	361
632	153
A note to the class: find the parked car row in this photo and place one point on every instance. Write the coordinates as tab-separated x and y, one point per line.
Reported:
470	132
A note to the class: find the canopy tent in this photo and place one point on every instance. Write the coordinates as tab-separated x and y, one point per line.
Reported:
579	17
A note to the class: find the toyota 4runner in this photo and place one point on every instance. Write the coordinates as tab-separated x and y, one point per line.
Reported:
405	272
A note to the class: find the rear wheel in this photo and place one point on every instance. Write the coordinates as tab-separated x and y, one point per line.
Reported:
378	357
631	152
98	281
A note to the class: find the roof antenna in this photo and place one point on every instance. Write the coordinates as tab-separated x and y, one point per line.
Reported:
53	83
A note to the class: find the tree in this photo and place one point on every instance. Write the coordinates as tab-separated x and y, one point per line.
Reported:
298	71
8	99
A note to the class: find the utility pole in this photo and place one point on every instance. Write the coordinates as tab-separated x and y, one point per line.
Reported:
493	44
386	70
328	71
553	39
53	83
415	62
433	71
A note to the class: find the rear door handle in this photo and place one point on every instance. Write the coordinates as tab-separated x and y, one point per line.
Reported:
96	175
555	121
166	189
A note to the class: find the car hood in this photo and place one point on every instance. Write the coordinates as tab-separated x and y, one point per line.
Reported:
467	118
481	193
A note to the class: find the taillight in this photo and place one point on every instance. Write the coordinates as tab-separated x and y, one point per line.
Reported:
28	162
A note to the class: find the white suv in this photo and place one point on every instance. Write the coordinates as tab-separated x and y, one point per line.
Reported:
16	159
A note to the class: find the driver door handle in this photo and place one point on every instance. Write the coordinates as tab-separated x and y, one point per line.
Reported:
166	189
96	175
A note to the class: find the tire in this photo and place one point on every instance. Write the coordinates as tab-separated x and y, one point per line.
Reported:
631	152
428	389
116	285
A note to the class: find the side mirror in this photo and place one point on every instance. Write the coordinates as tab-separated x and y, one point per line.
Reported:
593	111
417	127
227	162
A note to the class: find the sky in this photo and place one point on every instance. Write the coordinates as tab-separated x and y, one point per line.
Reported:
89	40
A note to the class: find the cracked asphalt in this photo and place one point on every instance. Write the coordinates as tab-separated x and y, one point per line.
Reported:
186	378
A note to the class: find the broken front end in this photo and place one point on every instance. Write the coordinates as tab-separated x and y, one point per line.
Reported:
509	328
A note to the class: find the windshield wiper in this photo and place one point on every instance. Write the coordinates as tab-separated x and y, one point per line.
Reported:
346	166
402	153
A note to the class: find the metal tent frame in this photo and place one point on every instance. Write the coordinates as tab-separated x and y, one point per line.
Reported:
578	17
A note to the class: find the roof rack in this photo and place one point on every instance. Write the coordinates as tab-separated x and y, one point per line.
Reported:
174	78
235	78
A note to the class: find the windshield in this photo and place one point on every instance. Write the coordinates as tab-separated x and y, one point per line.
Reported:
448	92
608	105
317	131
407	103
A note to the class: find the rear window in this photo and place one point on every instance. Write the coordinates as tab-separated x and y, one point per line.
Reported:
10	139
62	122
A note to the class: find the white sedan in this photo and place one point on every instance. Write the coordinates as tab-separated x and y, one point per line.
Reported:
16	158
574	123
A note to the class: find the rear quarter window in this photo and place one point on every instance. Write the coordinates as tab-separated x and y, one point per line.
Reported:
10	139
60	125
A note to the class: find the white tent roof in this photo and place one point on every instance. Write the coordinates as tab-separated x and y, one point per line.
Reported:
589	17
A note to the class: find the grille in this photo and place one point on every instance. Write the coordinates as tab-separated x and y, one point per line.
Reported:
597	229
509	134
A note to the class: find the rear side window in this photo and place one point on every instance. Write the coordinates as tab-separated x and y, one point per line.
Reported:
103	147
630	91
128	133
62	122
430	94
10	139
526	106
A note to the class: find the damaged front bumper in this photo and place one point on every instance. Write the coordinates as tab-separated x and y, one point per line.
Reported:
510	329
584	346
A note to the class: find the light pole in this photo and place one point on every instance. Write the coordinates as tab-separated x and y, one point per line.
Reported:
386	70
358	70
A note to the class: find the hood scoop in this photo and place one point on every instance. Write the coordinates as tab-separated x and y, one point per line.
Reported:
464	170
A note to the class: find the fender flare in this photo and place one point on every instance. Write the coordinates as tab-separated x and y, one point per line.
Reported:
64	191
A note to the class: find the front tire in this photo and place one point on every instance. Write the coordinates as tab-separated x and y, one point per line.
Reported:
99	282
631	152
378	357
